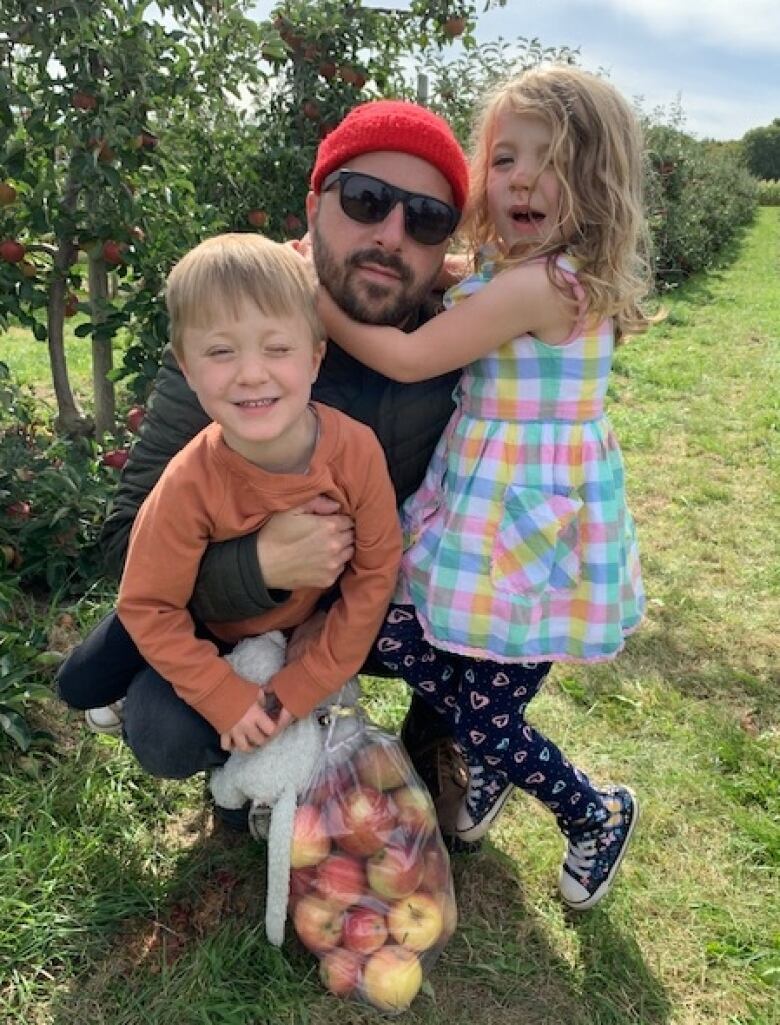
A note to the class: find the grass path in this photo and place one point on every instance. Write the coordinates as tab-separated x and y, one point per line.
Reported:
120	905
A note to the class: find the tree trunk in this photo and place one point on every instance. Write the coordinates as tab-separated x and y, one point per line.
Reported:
102	355
70	417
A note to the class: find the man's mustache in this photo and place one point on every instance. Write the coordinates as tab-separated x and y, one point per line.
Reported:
381	259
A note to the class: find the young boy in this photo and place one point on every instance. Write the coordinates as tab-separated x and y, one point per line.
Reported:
245	332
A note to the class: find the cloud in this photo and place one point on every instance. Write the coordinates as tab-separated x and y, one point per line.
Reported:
747	25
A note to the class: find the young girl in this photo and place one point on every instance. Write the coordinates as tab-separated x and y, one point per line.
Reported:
520	549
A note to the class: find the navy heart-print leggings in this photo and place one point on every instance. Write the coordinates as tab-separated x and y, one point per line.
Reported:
484	703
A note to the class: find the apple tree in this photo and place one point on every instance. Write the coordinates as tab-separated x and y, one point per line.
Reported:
87	91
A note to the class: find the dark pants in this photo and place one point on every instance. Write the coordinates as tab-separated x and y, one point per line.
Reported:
167	736
484	704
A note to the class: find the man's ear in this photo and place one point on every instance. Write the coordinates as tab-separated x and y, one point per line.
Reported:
312	204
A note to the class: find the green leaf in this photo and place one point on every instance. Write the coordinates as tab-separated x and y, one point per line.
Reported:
16	728
85	329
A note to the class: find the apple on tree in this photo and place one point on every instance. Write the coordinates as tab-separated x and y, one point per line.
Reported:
135	416
257	218
12	251
7	194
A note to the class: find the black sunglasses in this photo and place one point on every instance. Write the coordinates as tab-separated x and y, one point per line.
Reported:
369	200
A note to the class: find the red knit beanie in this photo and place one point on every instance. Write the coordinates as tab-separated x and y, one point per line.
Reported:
394	125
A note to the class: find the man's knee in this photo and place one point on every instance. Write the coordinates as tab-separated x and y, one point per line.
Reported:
169	739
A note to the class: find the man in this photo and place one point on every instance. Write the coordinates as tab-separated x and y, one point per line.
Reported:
387	189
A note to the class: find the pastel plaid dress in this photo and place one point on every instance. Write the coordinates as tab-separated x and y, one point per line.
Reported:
519	543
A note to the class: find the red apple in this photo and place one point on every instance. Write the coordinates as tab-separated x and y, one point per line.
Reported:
416	921
311	110
83	101
436	871
416	813
381	766
257	218
395	871
19	510
28	269
135	416
310	842
454	27
392	978
113	252
302	881
362	821
115	458
71	304
340	971
318	923
331	783
12	251
347	74
292	224
341	879
7	194
365	930
327	69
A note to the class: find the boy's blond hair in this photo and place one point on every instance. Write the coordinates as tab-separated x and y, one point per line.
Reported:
597	153
227	270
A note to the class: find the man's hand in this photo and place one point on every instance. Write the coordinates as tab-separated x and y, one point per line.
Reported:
305	547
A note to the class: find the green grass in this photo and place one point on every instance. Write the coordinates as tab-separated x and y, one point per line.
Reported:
112	908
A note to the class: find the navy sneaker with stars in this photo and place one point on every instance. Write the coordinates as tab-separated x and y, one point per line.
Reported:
487	794
596	850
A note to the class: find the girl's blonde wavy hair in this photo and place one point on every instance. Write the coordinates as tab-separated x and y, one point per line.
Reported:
597	153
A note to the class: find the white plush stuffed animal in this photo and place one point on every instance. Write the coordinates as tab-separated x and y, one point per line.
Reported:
274	775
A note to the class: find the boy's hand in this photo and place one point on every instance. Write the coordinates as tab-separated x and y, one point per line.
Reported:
255	727
252	730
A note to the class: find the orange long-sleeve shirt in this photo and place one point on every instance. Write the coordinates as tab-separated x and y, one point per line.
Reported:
210	493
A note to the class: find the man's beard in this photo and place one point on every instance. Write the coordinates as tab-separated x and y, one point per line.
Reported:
369	302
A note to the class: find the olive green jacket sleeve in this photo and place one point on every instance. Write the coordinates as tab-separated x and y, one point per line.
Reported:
230	584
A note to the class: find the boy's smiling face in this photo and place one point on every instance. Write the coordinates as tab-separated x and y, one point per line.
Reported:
253	374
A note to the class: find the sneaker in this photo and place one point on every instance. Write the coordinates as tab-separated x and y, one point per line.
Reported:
234	819
106	719
595	853
487	794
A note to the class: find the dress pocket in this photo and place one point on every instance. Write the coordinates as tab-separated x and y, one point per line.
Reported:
537	543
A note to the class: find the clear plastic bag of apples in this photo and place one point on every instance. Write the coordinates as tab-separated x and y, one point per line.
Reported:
371	891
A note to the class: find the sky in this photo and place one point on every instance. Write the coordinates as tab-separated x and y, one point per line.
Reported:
719	58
